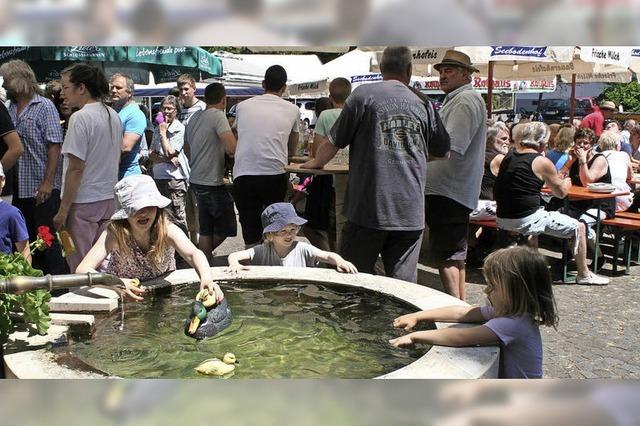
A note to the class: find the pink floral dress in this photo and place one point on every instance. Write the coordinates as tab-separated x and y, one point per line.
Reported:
138	265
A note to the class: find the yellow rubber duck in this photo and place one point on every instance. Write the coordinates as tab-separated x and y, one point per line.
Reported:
207	300
215	367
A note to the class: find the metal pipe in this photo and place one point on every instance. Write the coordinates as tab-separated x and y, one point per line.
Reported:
490	90
572	101
20	284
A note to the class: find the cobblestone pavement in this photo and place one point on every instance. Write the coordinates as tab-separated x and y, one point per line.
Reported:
599	331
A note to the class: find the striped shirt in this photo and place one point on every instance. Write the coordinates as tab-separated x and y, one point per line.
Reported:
38	126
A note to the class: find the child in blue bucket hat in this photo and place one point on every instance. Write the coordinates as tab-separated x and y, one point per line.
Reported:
280	247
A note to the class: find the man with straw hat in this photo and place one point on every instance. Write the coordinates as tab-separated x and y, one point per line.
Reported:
595	120
453	187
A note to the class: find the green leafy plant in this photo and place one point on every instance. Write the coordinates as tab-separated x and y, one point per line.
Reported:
627	95
34	305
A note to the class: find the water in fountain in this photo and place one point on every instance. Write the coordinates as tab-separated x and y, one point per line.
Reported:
279	331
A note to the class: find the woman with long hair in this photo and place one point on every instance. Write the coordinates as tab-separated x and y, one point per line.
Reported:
91	152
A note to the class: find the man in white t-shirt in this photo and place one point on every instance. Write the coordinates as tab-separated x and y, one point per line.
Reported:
267	128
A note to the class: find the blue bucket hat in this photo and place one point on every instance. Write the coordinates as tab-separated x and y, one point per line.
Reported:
278	215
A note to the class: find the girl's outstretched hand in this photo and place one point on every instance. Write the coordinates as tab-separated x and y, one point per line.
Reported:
212	287
406	322
401	342
132	289
235	268
346	267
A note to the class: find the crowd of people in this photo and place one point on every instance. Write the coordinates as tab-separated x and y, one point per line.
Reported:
72	156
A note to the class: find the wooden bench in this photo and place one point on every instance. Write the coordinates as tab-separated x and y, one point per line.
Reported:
485	223
622	225
622	222
492	224
628	215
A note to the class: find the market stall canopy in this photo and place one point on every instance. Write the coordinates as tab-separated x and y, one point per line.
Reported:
321	49
165	62
634	61
162	90
306	76
356	62
240	70
431	85
589	63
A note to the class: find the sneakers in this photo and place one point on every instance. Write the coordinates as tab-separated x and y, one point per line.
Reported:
593	279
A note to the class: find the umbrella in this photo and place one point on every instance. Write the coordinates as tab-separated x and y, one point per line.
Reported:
580	64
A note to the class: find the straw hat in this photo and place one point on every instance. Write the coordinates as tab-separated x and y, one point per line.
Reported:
453	58
608	105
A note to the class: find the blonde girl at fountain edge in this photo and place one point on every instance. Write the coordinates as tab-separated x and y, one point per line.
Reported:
280	248
520	300
140	242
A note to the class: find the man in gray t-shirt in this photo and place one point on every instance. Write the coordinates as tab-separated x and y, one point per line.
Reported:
207	138
392	133
453	187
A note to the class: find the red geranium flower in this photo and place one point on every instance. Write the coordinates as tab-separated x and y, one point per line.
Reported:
45	234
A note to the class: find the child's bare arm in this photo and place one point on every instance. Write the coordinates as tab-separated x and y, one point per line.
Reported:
337	260
446	314
23	248
456	337
235	259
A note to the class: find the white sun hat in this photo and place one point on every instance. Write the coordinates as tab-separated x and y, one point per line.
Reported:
134	193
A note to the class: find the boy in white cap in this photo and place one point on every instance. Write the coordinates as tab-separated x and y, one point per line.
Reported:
280	248
13	228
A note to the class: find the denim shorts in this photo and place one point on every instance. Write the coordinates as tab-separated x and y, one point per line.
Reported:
215	211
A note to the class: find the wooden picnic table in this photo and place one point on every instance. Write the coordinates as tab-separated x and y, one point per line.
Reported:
299	158
340	174
577	193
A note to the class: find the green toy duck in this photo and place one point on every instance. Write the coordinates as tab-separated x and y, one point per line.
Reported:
215	367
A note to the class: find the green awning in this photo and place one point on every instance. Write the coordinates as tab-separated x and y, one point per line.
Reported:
169	62
165	62
84	53
164	55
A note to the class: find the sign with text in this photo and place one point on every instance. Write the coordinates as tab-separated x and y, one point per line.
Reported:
481	84
612	55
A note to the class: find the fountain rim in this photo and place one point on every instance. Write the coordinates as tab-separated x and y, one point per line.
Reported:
438	363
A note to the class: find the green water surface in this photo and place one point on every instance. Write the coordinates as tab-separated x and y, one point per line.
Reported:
278	331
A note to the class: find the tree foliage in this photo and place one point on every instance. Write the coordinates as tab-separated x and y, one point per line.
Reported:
625	94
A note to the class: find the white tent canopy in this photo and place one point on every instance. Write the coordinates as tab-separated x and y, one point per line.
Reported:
356	62
634	61
306	76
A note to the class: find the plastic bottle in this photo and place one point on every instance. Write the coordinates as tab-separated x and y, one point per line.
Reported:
68	246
